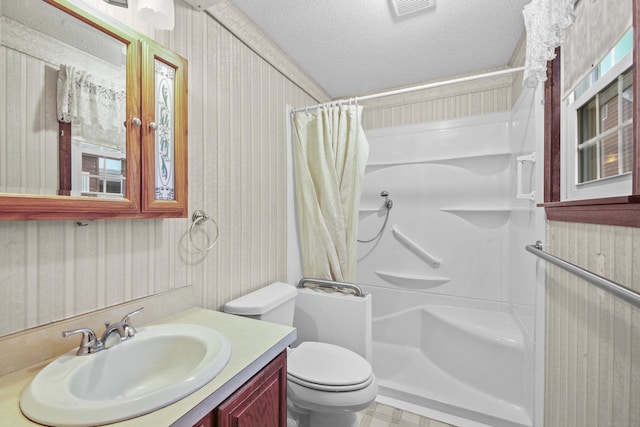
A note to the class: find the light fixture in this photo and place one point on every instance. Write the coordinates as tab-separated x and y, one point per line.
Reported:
158	13
121	3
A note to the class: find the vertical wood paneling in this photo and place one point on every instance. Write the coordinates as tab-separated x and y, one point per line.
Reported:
237	174
31	86
406	109
593	338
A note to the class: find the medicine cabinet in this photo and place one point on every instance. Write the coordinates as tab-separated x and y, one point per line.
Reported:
94	117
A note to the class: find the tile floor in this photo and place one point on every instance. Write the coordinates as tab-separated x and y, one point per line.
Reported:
379	415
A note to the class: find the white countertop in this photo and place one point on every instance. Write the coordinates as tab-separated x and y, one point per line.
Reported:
253	345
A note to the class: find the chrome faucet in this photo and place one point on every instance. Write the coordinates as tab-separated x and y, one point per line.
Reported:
114	334
89	343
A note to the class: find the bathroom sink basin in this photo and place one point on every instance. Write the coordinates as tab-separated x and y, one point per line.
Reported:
158	366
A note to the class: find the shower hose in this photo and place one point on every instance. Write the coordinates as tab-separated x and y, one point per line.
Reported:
388	204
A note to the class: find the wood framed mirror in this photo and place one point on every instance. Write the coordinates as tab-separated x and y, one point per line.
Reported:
72	108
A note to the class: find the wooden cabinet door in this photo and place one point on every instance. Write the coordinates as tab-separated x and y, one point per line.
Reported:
206	421
261	402
164	132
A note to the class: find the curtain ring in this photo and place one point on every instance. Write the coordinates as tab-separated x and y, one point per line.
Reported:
199	217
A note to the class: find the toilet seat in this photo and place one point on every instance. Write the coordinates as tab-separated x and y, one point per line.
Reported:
327	367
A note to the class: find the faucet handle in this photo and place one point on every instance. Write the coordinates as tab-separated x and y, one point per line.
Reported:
126	317
129	328
89	342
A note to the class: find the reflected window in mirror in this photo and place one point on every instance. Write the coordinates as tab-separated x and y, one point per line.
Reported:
55	70
97	172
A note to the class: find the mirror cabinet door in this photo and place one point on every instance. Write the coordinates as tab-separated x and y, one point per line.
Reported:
164	131
94	117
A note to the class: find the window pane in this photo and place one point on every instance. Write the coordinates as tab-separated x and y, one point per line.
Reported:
627	149
587	121
624	46
114	187
627	96
606	63
609	107
609	161
587	164
113	166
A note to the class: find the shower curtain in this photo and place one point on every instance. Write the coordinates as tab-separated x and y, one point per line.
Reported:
330	154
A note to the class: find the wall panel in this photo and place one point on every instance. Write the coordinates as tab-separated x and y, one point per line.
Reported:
475	97
237	105
593	338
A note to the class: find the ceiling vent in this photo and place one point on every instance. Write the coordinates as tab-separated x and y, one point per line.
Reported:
406	7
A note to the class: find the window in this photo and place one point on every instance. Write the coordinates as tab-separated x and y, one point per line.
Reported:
102	176
97	171
601	160
599	136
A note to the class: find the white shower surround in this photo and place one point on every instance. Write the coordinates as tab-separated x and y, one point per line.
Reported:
458	339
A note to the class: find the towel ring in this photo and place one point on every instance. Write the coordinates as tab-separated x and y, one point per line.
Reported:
199	217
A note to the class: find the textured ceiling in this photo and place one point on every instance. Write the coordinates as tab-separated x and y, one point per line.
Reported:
356	47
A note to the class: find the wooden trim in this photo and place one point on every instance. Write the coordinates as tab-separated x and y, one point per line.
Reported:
620	214
552	131
635	183
150	53
592	202
64	159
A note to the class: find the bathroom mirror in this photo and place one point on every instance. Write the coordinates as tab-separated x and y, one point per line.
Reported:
64	102
69	88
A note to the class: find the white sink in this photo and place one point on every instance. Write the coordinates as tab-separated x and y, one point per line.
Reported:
160	365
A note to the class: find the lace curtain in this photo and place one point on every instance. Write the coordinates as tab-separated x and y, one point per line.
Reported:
546	22
84	100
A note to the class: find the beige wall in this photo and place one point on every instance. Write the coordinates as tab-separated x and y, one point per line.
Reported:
593	339
51	270
489	95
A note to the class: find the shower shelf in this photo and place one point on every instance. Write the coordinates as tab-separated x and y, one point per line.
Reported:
482	217
415	281
485	164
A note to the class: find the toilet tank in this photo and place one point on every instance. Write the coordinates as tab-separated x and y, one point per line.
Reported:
273	303
334	318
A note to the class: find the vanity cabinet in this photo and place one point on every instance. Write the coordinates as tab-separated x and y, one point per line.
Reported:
261	401
113	142
207	421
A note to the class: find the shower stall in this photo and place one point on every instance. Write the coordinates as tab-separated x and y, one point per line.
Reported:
454	292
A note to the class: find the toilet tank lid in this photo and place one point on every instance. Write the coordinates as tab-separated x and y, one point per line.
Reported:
261	301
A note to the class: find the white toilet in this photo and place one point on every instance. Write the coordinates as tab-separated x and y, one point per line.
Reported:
329	378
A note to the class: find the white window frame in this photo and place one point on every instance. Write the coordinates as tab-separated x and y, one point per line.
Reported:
570	189
78	149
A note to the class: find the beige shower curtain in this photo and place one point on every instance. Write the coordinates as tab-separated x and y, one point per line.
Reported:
330	154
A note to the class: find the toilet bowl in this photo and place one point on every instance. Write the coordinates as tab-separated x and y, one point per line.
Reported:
327	384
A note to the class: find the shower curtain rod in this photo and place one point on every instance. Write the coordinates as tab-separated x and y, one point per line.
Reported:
414	88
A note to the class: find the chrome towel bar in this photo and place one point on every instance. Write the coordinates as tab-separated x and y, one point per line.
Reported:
614	288
332	284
